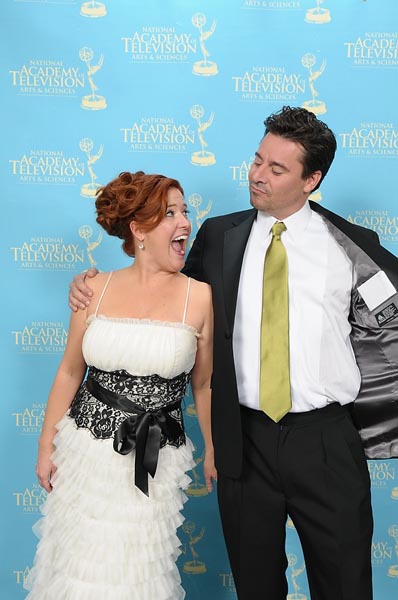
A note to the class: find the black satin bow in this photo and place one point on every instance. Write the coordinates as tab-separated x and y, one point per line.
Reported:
141	431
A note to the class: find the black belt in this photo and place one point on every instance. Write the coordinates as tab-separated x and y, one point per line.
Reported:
330	411
142	431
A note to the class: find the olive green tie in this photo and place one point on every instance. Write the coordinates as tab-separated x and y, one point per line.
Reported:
275	397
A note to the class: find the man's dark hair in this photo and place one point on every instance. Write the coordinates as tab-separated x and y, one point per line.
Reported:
302	126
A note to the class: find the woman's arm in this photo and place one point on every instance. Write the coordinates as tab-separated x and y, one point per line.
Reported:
66	383
201	378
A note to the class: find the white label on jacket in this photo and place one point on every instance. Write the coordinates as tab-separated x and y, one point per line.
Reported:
376	290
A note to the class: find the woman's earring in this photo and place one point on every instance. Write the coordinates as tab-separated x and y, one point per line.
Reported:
141	245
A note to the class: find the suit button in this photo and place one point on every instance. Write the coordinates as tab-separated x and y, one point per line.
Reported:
227	335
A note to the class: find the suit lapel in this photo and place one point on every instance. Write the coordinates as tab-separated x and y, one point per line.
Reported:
235	240
380	255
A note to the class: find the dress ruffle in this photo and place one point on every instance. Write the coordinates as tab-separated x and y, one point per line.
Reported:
101	538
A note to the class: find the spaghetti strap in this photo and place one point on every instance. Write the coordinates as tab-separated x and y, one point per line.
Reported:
103	292
186	300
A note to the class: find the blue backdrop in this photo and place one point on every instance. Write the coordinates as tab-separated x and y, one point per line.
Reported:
180	87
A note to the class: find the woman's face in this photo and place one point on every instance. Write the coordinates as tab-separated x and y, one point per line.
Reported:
167	243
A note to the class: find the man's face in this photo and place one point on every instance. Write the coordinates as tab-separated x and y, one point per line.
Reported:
275	177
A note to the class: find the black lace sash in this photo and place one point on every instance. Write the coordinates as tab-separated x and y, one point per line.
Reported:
151	420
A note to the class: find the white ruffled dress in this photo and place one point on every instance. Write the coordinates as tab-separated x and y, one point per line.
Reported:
102	538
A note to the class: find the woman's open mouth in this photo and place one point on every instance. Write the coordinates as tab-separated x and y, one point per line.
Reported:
179	244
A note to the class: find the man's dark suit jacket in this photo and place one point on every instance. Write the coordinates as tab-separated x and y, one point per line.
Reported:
216	258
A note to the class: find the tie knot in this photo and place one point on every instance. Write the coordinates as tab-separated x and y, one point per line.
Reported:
277	229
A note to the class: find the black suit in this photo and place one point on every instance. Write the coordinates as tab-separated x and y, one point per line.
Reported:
216	257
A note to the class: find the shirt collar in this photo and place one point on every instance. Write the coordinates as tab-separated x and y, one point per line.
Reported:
295	224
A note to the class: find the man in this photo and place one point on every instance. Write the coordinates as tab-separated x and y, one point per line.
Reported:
283	398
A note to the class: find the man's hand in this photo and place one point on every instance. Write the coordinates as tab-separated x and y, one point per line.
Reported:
79	293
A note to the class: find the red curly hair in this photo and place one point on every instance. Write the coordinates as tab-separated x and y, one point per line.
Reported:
135	197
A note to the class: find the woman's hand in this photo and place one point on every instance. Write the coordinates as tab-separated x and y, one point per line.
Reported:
79	293
45	468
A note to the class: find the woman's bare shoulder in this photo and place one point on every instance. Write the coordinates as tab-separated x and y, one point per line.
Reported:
201	290
98	282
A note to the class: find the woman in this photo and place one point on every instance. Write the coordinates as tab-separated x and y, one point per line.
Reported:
112	451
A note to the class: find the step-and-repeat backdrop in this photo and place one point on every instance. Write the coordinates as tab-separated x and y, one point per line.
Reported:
180	87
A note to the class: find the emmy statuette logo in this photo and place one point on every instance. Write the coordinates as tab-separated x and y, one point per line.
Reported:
88	190
197	487
394	493
204	67
92	101
86	233
294	573
318	15
93	9
202	158
195	200
318	107
194	566
393	532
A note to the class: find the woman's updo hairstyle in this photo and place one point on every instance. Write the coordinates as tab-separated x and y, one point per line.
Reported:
133	197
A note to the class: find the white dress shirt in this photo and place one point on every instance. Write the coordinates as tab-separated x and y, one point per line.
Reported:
322	361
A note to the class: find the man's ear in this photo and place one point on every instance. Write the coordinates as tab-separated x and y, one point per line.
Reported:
312	181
